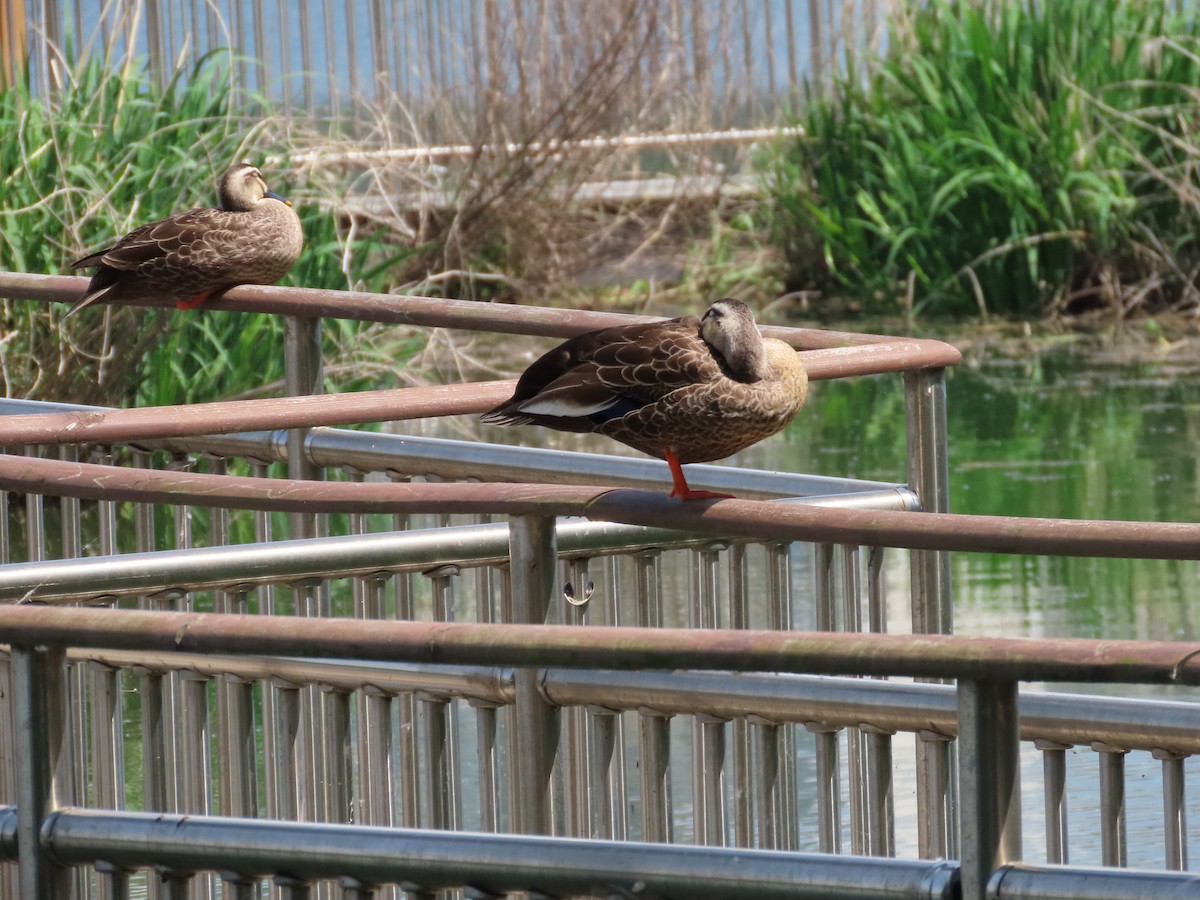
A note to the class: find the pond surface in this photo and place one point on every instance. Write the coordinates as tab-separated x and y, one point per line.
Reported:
1051	430
1054	432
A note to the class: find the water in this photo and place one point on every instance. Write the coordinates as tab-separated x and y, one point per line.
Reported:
1048	430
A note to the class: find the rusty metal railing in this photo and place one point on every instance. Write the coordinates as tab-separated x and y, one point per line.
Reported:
309	709
986	671
747	518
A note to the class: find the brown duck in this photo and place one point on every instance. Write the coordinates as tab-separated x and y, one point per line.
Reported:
685	390
252	239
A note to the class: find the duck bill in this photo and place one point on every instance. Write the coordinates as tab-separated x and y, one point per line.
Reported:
275	196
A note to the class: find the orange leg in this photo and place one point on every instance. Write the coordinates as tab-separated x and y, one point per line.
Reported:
681	489
195	301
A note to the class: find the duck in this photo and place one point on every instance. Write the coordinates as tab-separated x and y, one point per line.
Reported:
253	238
685	390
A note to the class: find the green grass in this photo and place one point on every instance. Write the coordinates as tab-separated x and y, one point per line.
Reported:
108	152
1011	157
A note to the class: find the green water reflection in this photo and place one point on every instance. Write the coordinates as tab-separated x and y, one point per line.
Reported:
1056	433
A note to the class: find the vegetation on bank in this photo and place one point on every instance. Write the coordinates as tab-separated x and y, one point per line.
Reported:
111	151
1004	156
1014	158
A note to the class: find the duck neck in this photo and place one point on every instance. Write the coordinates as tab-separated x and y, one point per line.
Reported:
746	359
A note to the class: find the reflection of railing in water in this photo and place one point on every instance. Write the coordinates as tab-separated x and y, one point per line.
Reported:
391	749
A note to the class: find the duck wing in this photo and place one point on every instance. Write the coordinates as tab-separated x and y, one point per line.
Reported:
185	237
606	374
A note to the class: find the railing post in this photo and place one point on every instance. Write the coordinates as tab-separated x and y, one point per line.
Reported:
303	375
43	763
989	782
533	551
929	479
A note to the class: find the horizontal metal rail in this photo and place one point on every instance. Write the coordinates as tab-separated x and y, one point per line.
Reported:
615	142
491	863
1024	882
242	566
409	455
833	702
564	646
843	353
743	518
131	426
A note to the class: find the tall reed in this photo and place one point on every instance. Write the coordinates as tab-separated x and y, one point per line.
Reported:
1013	157
112	150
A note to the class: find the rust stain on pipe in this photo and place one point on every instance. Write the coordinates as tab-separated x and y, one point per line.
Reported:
468	314
231	416
89	481
746	518
933	656
913	530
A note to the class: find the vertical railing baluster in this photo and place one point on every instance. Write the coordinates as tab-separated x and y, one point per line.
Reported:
113	881
441	723
602	735
292	763
9	884
108	741
932	606
337	754
293	888
576	749
303	376
856	755
534	558
779	618
239	778
1054	779
1114	848
745	791
408	785
312	600
375	770
617	792
708	732
44	763
710	817
829	792
990	781
152	695
87	685
487	748
239	887
35	520
1174	809
829	787
654	728
195	761
880	812
6	550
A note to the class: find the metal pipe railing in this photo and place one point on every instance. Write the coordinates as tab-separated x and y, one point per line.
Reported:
1049	718
743	518
241	566
452	643
995	663
492	864
841	353
406	454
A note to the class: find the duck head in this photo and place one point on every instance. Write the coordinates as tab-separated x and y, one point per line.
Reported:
242	187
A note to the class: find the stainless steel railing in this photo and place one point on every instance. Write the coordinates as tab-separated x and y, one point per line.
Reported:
245	850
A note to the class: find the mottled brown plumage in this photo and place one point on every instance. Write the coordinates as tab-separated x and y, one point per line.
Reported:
686	390
252	239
